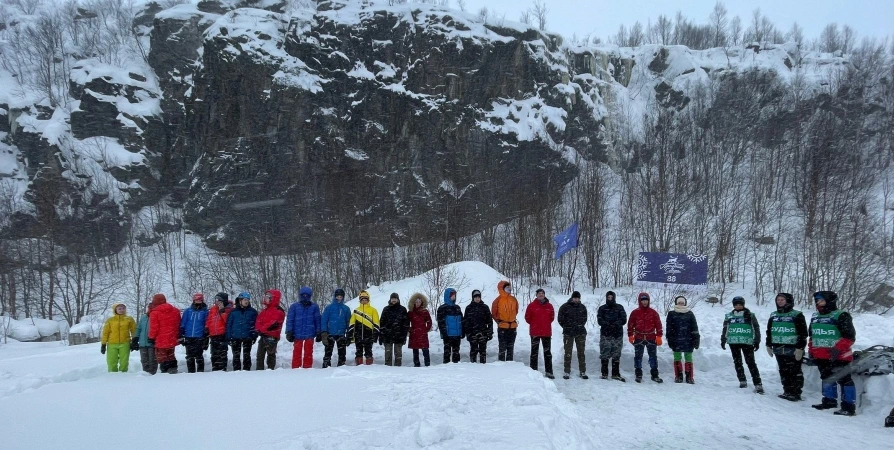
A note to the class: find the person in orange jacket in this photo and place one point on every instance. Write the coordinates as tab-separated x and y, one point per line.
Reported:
504	311
217	330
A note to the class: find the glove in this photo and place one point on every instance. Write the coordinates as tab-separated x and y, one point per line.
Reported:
273	326
381	340
698	341
135	344
630	338
757	346
799	354
102	349
658	341
318	338
205	344
770	351
290	337
254	340
181	340
151	342
489	336
834	353
723	343
324	336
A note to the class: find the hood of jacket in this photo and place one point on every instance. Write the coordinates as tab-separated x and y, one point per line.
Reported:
610	298
831	301
447	293
365	293
418	296
305	294
198	306
501	287
640	305
159	299
275	298
789	302
115	305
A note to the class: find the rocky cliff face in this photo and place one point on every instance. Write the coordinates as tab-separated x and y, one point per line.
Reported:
357	123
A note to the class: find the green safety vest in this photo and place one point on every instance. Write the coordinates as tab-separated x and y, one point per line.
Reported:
739	331
782	328
824	330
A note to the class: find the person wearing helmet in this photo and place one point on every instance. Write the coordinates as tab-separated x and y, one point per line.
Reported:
364	329
742	332
194	333
832	335
241	332
786	339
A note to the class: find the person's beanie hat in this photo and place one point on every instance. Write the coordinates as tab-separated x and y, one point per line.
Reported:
575	294
222	297
475	293
394	295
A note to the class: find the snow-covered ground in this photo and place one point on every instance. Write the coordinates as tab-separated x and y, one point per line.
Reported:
456	406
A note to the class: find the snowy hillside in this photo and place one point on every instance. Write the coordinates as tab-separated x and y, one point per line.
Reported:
452	406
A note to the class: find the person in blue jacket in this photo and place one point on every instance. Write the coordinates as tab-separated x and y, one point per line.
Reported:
147	349
302	326
241	332
336	318
194	334
450	324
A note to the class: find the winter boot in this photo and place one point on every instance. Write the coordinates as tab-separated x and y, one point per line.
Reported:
584	376
690	373
566	376
847	409
655	376
616	371
550	375
604	369
639	375
358	361
889	421
759	389
743	384
369	360
327	363
341	362
790	397
678	372
828	403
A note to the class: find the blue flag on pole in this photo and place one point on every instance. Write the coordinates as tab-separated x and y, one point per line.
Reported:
566	240
662	269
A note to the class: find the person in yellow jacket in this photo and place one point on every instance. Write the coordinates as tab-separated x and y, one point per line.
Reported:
504	311
117	334
363	329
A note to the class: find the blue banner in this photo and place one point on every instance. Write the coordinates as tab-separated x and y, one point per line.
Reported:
671	269
566	240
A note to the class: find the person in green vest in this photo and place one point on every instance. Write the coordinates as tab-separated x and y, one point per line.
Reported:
786	339
832	335
742	332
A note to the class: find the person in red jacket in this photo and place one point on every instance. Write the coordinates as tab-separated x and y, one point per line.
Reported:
540	316
420	325
269	326
164	331
217	330
644	332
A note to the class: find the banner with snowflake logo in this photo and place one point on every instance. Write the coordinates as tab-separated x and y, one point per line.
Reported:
664	269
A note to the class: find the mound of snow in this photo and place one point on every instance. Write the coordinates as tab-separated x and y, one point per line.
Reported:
19	330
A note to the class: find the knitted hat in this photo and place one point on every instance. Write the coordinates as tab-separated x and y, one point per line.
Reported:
198	297
222	297
575	294
338	292
394	295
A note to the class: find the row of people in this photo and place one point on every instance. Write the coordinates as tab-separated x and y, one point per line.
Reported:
239	327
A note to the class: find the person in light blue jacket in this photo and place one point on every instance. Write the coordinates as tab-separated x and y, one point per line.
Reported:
147	349
336	318
450	324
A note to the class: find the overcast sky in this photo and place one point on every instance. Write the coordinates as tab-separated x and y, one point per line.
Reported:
602	17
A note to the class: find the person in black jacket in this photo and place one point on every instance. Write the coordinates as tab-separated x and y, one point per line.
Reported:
786	339
478	326
681	330
573	320
394	326
611	318
742	331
